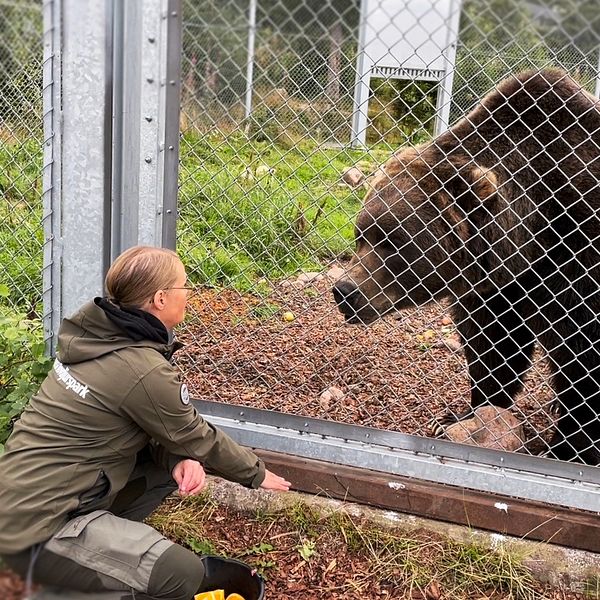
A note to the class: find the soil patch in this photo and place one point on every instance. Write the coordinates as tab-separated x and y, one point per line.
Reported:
401	373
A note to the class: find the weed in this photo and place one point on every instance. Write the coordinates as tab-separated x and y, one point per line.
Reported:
304	518
306	549
264	311
202	546
262	548
262	565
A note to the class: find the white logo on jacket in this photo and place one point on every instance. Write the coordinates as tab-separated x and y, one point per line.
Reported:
184	394
63	375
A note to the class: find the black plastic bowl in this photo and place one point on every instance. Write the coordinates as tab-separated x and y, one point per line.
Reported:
233	576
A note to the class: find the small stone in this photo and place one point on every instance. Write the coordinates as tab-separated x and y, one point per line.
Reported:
335	273
311	277
263	170
329	396
450	343
353	176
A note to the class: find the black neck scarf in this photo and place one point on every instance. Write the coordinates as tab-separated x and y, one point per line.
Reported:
136	323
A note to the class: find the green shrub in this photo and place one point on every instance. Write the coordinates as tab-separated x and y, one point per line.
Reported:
21	231
23	364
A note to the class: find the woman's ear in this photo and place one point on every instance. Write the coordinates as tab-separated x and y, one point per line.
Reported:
158	300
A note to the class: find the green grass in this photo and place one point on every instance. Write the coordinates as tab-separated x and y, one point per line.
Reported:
21	231
237	228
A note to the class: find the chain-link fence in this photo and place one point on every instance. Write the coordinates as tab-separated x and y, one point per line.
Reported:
273	175
21	231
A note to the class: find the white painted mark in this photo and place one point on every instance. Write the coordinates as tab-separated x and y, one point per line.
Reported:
396	486
502	506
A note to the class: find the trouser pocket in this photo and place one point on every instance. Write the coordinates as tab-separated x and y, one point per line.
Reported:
118	548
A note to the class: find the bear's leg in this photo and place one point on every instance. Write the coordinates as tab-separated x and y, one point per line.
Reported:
575	363
498	346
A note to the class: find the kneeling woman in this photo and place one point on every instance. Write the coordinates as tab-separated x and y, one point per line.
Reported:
109	435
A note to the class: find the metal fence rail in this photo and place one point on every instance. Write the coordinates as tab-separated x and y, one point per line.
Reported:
273	178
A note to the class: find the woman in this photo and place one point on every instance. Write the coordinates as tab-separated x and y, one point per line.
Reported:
109	435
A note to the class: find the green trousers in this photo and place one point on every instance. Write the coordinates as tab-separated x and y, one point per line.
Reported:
113	551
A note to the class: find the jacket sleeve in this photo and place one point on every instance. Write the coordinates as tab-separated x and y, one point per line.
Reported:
160	406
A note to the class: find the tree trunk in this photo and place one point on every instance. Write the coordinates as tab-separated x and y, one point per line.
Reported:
334	62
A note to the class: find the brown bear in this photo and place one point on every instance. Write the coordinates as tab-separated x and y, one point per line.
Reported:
499	214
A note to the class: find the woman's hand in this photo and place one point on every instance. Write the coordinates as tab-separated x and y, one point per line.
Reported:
189	476
274	482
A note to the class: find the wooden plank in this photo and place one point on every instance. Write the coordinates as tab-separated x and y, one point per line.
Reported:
501	514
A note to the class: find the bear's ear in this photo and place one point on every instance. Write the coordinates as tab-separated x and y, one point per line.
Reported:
474	186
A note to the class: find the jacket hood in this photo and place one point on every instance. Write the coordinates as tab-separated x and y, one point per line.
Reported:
93	331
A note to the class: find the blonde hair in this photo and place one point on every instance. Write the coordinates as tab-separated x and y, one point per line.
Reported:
137	274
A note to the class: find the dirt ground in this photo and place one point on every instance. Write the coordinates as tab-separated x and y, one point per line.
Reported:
401	373
305	558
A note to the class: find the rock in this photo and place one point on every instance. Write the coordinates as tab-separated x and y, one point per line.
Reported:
450	343
353	176
329	396
335	273
263	170
306	278
491	427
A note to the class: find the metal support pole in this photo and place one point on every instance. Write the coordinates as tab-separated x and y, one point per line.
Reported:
444	99
51	181
250	65
362	84
74	191
146	154
111	140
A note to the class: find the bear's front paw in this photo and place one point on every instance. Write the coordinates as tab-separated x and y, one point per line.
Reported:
439	425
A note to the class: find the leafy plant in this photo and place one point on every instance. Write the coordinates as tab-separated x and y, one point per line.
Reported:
307	549
261	548
203	546
23	364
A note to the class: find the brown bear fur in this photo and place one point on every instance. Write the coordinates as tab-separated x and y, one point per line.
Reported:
500	215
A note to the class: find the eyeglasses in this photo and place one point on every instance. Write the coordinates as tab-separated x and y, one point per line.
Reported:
188	288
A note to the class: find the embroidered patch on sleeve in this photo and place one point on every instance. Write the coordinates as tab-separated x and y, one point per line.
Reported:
184	394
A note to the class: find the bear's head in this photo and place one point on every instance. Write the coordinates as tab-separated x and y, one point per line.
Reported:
412	234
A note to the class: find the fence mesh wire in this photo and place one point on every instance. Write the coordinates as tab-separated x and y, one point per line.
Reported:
21	232
272	181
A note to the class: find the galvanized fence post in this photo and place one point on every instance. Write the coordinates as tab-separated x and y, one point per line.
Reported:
77	223
111	113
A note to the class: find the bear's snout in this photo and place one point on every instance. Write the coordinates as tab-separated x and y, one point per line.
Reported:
351	302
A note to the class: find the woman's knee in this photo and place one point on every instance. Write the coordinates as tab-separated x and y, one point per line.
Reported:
176	575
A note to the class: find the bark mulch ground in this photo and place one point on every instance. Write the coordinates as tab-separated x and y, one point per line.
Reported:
400	373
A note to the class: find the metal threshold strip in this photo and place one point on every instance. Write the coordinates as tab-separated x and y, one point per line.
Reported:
440	461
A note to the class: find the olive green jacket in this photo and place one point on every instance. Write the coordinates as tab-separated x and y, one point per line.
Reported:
105	399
